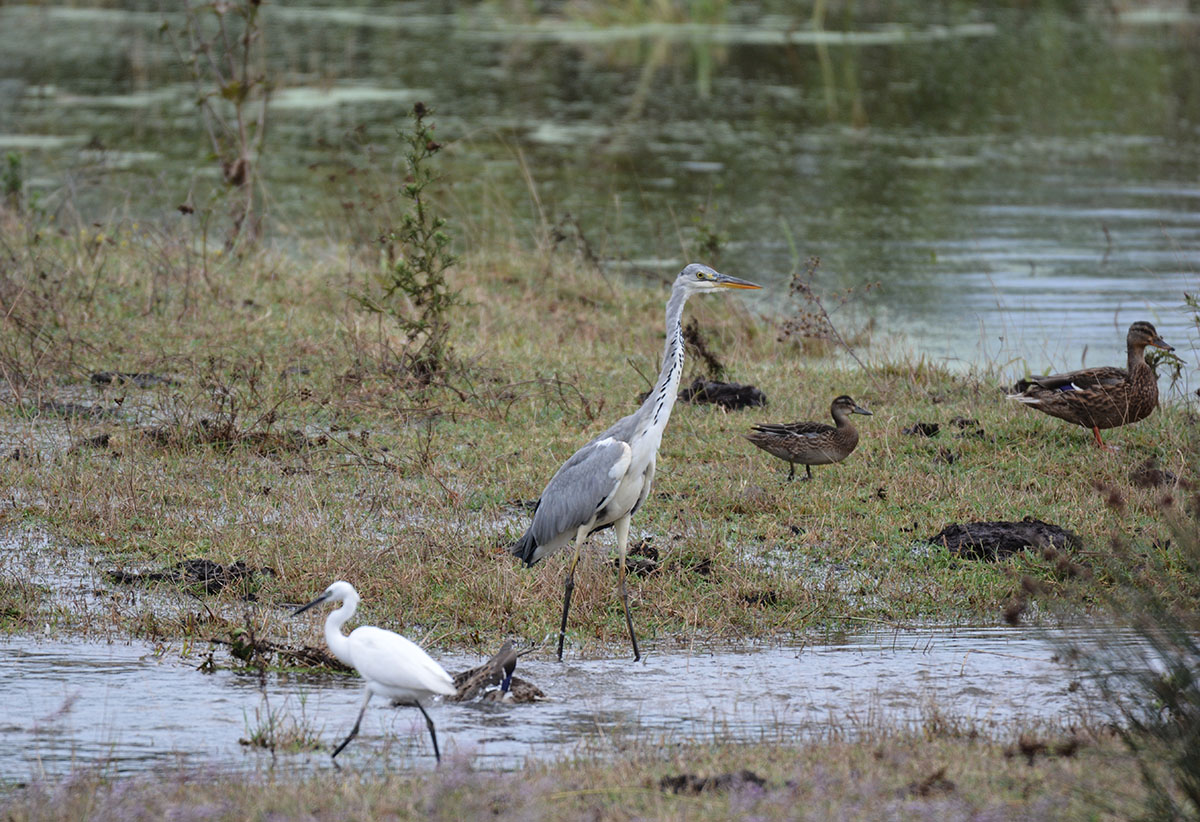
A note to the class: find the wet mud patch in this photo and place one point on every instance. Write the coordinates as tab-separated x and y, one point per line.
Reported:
69	411
935	784
997	540
106	379
642	559
201	576
1149	475
225	435
731	396
965	428
1031	747
690	783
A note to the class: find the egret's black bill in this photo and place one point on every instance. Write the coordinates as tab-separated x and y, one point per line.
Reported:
304	608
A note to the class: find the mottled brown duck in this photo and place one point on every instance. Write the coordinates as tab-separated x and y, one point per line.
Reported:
811	443
1103	397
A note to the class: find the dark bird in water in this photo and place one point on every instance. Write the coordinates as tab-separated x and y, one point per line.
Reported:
1103	397
608	479
811	443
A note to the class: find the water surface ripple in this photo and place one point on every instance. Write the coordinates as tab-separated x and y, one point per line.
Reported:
74	704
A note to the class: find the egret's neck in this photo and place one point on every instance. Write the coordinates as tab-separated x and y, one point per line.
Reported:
662	397
339	644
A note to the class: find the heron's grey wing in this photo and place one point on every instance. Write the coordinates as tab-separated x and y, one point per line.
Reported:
580	488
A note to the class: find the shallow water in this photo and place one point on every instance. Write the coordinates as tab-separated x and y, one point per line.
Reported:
127	708
1020	181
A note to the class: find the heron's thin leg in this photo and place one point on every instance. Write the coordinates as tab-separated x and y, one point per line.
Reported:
432	733
357	722
568	587
622	529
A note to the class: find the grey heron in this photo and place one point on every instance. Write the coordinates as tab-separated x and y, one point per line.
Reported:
608	479
394	667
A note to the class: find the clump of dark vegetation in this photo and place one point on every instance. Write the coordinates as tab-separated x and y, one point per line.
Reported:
690	783
731	396
997	540
200	575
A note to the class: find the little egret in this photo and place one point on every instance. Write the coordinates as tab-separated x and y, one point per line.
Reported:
393	666
608	479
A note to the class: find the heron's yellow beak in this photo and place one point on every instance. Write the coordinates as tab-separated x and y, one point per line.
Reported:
726	281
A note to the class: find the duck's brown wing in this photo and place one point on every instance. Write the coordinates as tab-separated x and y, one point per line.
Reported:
1103	377
793	429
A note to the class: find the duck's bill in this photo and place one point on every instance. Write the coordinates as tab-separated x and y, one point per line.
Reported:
1159	342
733	282
304	608
858	409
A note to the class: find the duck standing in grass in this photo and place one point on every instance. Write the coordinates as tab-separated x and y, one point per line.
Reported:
811	443
1103	397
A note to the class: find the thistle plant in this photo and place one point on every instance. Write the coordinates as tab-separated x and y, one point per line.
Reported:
411	288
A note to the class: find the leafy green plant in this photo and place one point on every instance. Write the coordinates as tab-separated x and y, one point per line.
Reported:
412	289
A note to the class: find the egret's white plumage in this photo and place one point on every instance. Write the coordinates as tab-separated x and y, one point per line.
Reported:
393	667
607	480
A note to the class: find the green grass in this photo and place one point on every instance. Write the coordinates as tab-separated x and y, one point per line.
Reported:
320	461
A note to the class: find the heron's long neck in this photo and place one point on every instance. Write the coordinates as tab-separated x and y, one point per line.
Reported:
338	643
662	398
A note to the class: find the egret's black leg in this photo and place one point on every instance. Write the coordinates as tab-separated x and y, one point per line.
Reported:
622	528
357	723
432	733
568	587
